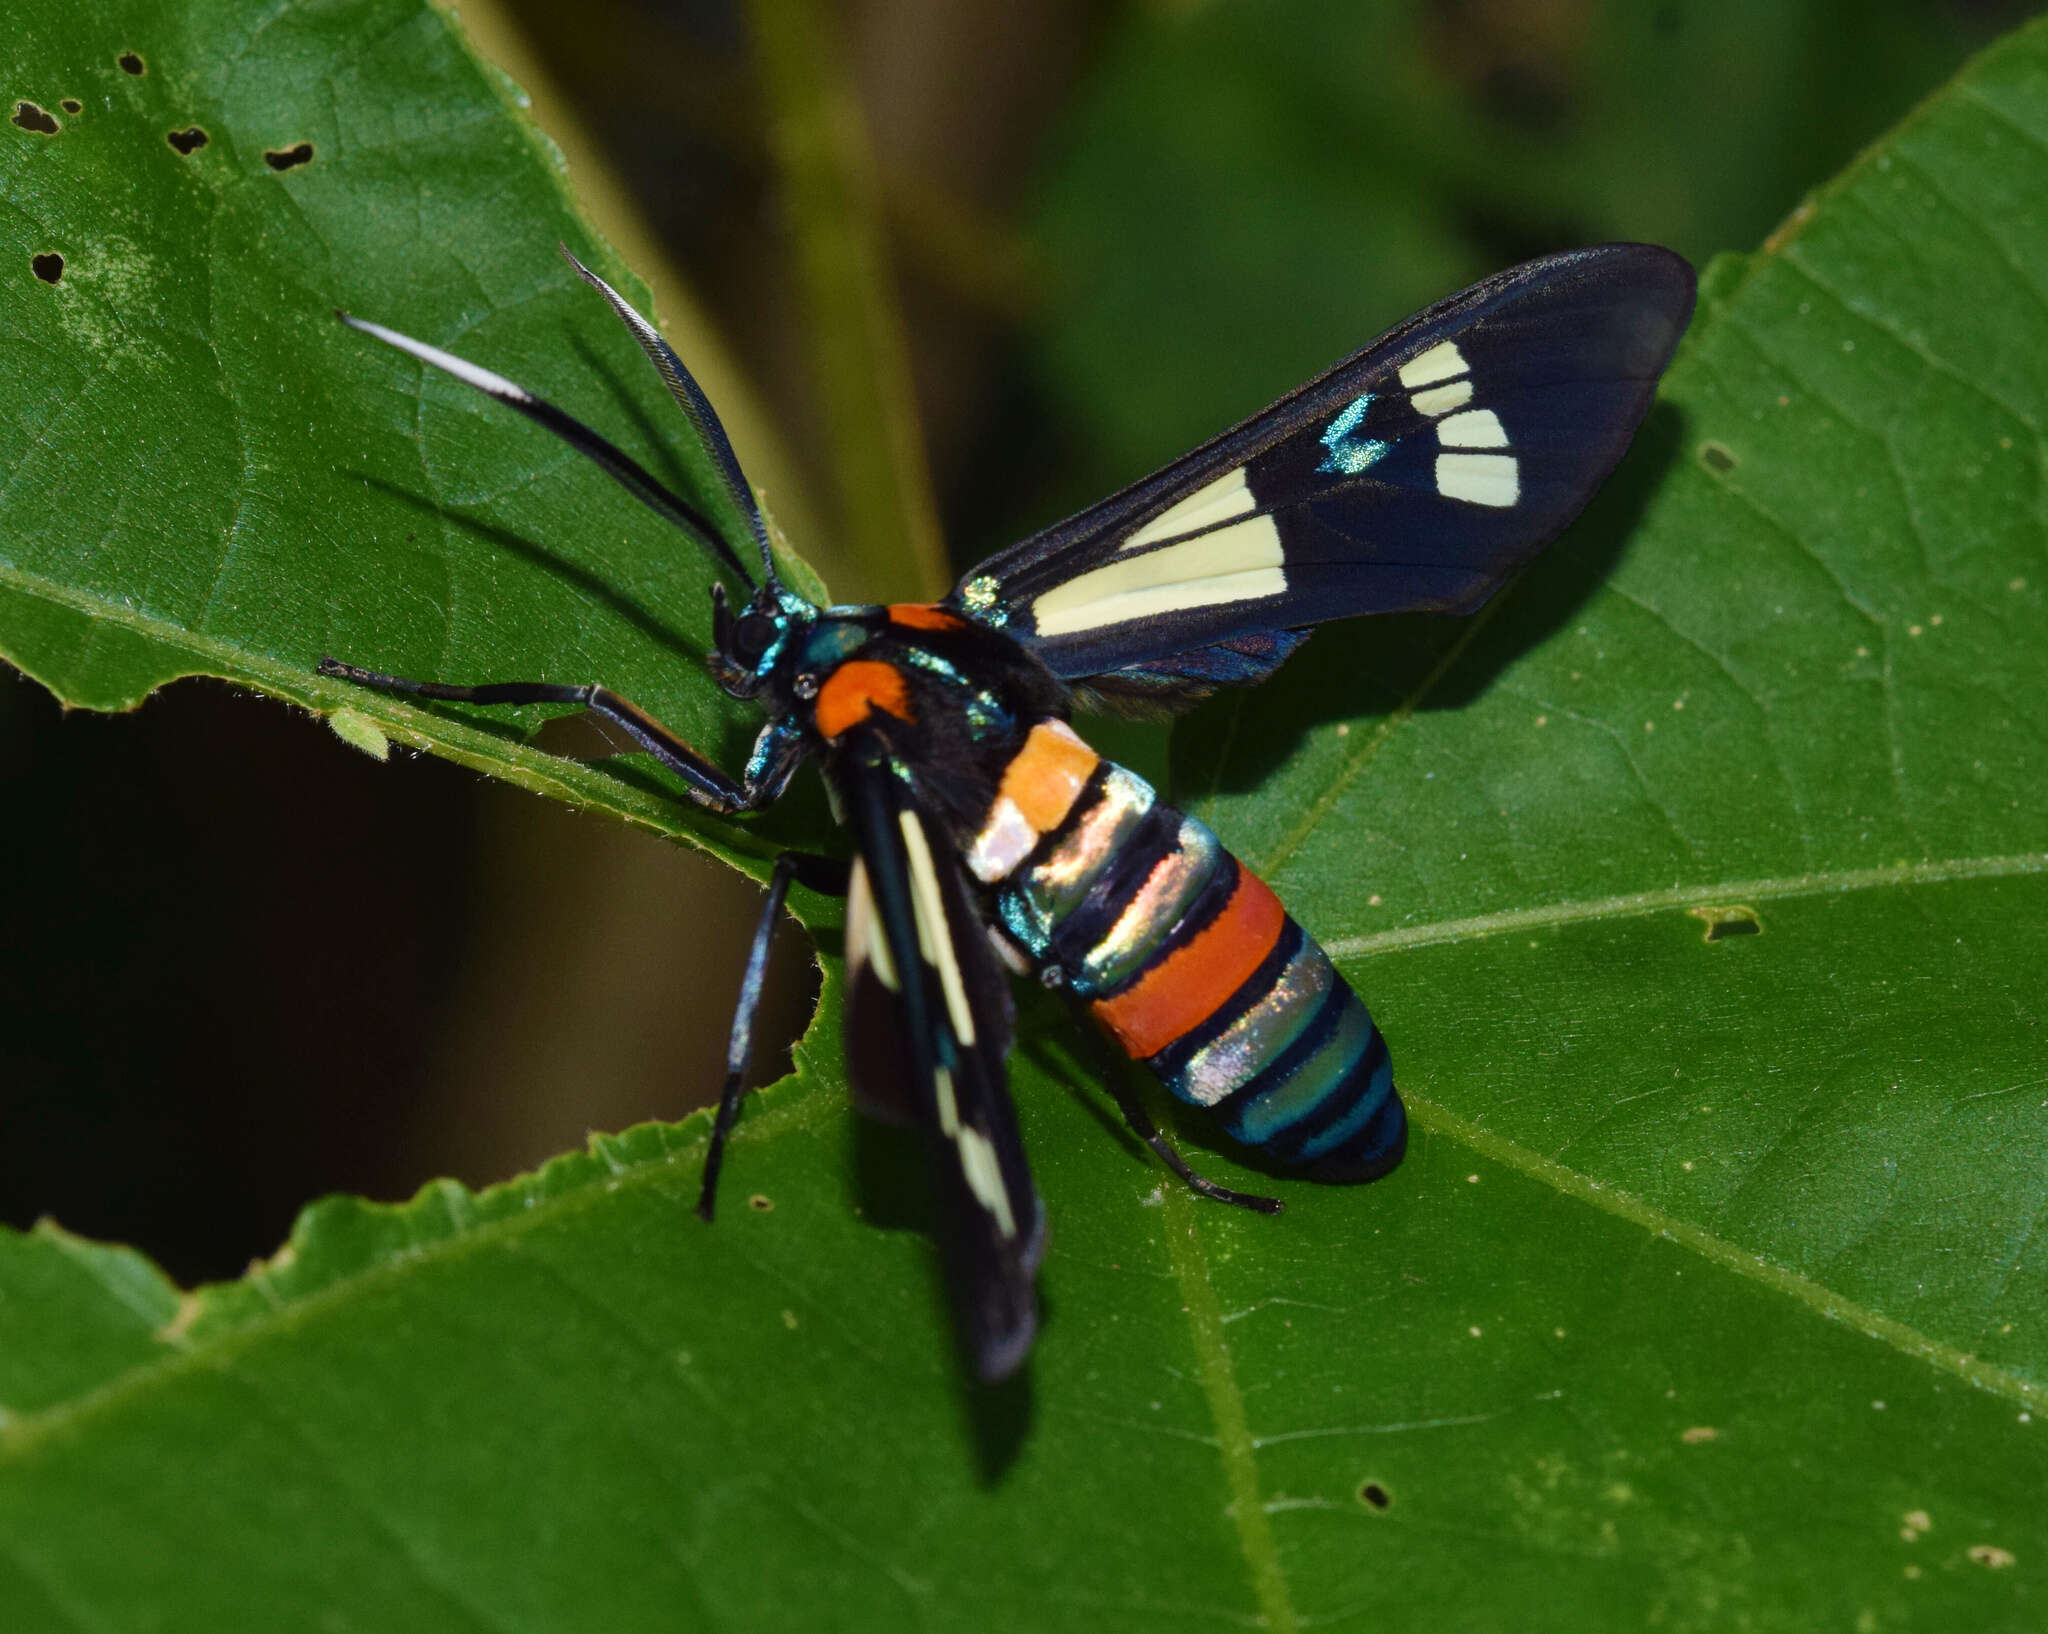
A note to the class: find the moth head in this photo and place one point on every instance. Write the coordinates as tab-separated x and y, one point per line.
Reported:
749	644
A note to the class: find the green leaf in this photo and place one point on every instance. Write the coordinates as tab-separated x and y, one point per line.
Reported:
209	475
1708	1295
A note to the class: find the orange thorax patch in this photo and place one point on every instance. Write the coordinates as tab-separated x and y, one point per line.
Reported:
856	689
923	615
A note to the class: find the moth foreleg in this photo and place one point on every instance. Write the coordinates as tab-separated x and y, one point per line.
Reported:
708	784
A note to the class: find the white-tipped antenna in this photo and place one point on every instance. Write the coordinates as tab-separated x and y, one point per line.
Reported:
690	398
623	469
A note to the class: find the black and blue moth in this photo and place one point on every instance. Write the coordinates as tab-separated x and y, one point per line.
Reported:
990	840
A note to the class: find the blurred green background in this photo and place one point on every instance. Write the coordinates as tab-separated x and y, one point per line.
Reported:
245	965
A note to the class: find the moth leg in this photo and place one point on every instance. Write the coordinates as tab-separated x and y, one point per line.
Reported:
1140	1123
707	783
827	875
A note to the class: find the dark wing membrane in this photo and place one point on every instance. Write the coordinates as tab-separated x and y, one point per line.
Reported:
1414	476
928	1023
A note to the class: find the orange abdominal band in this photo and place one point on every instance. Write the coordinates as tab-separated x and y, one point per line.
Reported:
1186	987
922	615
1046	777
856	690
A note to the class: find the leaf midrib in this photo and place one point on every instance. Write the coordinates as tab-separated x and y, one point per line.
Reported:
1636	904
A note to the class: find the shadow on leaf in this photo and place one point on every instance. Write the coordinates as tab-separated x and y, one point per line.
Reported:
1370	668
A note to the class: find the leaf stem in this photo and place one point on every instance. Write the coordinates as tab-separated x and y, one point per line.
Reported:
887	516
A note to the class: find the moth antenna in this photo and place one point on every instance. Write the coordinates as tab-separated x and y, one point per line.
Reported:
623	469
690	398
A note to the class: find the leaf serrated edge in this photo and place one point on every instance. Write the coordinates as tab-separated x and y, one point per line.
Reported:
202	1327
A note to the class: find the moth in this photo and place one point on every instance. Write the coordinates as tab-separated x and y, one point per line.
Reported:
989	840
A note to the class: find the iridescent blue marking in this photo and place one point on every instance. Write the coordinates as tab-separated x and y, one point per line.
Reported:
986	716
1349	454
771	747
1026	925
833	640
1300	1087
1324	1098
1372	1100
925	659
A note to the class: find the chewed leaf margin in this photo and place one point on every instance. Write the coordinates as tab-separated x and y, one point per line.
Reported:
339	1241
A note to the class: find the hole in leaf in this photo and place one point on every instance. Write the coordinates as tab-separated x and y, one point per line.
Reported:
1723	923
1374	1496
29	117
71	104
1716	457
49	267
132	64
187	141
285	158
760	1202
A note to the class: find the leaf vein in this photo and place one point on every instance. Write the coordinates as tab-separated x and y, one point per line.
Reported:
1636	904
1218	1377
1822	1300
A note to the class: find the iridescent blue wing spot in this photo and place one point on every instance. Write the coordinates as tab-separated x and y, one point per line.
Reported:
1414	476
1349	452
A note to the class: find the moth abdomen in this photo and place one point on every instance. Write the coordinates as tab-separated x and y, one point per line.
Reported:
1187	960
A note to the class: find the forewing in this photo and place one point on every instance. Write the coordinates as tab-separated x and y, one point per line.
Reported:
928	1024
1414	476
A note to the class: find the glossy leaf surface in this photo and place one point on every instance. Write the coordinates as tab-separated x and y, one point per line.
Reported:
209	475
1708	1295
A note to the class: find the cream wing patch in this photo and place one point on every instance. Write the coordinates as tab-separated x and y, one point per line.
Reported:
1241	562
1479	479
984	1172
1440	386
1475	428
1442	399
1207	506
864	944
934	935
1440	362
980	1165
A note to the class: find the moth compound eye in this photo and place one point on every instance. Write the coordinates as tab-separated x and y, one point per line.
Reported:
753	635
